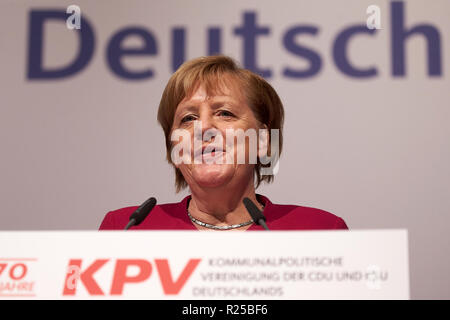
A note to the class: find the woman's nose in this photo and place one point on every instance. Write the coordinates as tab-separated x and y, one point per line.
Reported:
207	121
208	126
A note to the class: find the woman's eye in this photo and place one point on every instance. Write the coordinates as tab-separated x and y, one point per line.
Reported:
187	118
225	113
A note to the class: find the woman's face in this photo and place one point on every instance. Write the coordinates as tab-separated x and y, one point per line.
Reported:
210	165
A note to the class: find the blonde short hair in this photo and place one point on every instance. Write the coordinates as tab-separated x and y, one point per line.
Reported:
211	72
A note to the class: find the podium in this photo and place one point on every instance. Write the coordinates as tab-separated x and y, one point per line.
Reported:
190	265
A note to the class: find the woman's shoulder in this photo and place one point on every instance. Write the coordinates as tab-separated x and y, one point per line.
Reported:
167	215
115	219
299	217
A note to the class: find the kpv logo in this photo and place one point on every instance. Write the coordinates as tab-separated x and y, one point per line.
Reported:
14	278
77	275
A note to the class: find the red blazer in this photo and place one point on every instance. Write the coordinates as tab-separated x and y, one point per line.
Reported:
173	216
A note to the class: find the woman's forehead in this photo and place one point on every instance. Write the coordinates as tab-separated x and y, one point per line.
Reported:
223	90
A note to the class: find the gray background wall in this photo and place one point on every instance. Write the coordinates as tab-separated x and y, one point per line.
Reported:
374	151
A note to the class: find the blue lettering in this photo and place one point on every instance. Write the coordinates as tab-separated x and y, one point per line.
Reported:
214	43
178	47
314	59
249	31
35	68
399	35
115	52
340	53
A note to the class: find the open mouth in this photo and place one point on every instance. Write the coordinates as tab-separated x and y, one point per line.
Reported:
209	151
213	152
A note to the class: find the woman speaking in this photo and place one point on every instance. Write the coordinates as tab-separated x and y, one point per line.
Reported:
223	131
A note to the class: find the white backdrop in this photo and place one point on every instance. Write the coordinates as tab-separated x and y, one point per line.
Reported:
374	151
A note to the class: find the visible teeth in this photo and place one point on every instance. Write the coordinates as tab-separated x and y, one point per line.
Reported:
212	152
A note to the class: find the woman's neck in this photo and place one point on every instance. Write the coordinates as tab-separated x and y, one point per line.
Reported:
220	206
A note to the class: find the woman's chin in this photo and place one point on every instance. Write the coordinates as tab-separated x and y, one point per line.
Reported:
212	175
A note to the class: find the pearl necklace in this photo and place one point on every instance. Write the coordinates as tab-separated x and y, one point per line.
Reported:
211	226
